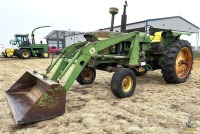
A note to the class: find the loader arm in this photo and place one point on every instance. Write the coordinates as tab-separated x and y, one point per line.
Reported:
82	56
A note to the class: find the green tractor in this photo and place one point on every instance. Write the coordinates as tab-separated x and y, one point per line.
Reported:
26	49
126	54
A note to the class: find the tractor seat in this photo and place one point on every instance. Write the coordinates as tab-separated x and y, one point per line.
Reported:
156	38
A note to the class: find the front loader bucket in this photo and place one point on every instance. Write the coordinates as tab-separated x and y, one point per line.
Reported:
33	98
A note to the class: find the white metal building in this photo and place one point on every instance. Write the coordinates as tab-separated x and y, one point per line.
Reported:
71	39
61	39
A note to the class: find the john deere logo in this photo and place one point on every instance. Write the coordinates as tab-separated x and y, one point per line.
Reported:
92	50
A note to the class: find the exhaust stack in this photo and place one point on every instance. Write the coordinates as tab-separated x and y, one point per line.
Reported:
124	18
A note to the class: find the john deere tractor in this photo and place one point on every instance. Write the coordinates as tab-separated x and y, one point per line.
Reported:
26	49
35	97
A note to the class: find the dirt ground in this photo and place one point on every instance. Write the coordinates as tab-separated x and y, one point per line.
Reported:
156	107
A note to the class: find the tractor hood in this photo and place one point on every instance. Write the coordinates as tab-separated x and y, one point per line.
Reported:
100	35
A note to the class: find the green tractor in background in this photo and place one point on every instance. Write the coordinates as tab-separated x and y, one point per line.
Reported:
26	49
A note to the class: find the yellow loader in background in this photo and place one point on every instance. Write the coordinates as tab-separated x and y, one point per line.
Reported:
8	52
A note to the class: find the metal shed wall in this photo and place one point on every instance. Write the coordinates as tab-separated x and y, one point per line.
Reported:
174	23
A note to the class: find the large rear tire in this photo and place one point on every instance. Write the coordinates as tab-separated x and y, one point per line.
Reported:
123	83
25	54
176	62
87	76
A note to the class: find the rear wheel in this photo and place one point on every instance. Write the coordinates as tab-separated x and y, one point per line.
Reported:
140	70
25	54
45	55
123	83
87	76
177	61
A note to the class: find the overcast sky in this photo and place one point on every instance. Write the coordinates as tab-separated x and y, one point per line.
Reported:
22	16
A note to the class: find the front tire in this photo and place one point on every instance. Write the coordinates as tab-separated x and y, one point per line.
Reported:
176	62
87	76
123	83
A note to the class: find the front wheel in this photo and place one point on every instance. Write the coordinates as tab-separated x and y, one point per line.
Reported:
87	76
177	61
123	83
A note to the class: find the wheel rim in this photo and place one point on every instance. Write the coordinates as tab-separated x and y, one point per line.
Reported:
45	55
25	54
87	74
127	84
140	69
183	62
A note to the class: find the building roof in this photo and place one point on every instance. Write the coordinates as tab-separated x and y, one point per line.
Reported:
177	23
61	34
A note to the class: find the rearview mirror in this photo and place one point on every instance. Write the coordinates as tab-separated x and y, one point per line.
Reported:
13	42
